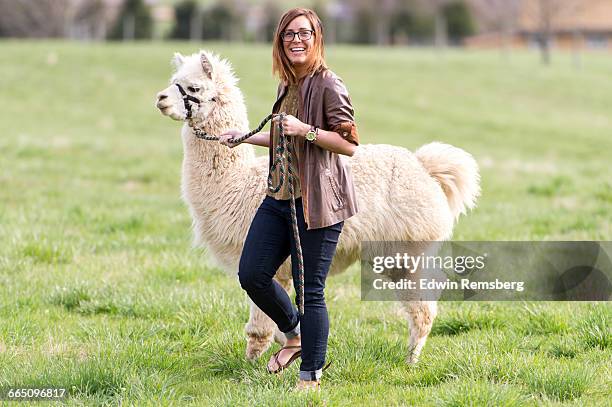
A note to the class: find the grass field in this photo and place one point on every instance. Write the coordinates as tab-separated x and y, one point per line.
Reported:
102	294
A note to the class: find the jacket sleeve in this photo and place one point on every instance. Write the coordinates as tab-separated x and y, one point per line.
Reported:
339	111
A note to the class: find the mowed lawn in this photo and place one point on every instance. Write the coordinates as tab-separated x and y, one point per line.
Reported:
101	292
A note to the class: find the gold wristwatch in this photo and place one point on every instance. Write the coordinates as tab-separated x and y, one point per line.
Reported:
312	134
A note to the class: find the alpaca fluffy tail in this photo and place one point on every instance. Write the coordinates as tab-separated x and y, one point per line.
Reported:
456	171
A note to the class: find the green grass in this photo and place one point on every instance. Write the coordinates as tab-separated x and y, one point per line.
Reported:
101	292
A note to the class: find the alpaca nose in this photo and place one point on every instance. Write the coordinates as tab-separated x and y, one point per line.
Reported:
161	96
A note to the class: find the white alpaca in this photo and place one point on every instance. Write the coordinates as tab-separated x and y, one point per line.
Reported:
401	196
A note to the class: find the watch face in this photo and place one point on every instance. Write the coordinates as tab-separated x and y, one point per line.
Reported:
311	135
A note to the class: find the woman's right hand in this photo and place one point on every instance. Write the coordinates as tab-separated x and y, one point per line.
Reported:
228	135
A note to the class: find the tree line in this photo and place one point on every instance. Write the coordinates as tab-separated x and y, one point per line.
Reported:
361	22
383	22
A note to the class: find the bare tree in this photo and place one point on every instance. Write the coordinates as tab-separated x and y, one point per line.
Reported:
498	16
545	16
196	24
540	17
385	9
88	19
377	15
53	18
436	8
34	18
441	26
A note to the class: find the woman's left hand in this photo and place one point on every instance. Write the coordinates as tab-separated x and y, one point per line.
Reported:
293	126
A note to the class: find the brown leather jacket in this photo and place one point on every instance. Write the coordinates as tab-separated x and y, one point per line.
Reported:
328	194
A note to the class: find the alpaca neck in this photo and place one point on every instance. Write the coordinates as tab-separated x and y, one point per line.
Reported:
208	165
215	159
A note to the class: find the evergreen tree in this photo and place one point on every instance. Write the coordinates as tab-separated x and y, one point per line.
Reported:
183	12
134	22
459	21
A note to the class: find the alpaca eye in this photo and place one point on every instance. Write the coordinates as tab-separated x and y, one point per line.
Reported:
192	89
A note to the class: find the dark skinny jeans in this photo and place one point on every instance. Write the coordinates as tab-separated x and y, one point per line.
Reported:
269	242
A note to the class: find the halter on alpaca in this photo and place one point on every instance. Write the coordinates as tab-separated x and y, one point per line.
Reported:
186	99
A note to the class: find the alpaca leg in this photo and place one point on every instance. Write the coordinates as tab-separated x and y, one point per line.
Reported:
421	315
260	329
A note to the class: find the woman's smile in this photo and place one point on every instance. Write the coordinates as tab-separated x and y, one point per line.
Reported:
297	52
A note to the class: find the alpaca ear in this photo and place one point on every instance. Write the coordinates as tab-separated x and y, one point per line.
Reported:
206	66
177	60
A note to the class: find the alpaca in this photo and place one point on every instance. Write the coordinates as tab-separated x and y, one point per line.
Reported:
402	196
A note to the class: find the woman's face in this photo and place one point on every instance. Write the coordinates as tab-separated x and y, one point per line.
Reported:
299	50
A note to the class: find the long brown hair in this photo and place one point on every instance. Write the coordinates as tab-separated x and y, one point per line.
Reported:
281	66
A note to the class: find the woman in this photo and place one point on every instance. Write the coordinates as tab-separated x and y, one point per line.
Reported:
320	126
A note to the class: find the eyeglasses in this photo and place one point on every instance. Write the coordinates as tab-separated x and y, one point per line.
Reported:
289	36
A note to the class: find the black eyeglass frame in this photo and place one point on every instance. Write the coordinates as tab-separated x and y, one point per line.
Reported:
282	35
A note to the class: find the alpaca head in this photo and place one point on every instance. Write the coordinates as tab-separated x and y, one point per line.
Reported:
201	83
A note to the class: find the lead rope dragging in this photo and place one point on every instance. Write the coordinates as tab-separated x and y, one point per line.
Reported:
283	153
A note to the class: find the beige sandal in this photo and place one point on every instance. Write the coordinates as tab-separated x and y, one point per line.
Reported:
290	361
310	384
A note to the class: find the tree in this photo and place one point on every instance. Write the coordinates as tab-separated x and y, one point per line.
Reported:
221	20
543	17
272	13
500	16
134	22
218	22
88	20
408	23
436	9
321	8
401	25
373	21
459	21
34	18
363	26
81	19
183	12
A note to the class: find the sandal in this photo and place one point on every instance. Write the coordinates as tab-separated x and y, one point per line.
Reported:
310	384
290	361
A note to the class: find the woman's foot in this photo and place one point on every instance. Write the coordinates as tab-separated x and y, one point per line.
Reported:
308	385
285	355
